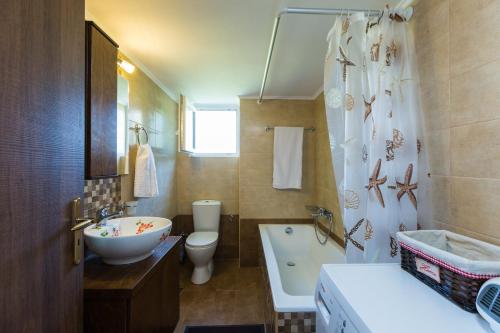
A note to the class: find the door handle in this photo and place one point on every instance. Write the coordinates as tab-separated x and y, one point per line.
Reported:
78	224
81	224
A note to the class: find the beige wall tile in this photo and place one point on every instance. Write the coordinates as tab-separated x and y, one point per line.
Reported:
430	18
257	198
475	95
266	202
207	178
154	109
460	106
474	34
475	150
435	102
433	59
475	205
256	169
326	191
255	140
438	147
441	198
467	232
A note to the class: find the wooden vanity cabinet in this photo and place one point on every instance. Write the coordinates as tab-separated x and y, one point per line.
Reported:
100	103
134	298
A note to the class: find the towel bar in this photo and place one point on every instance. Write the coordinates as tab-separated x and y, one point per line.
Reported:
309	129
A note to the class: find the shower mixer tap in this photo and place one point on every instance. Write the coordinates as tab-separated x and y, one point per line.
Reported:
319	212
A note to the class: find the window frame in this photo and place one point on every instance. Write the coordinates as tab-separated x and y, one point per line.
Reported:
216	107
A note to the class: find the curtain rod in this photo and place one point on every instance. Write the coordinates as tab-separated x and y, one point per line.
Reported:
309	11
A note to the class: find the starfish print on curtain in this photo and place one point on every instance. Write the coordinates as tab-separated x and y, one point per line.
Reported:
380	119
368	106
370	25
348	236
407	187
345	62
374	182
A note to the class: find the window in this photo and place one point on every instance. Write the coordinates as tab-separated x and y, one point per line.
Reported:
210	130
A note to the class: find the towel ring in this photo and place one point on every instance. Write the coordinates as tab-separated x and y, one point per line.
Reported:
137	129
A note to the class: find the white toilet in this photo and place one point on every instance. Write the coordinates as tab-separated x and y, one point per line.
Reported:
201	244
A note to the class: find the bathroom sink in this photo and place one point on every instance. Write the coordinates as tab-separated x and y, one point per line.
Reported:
126	240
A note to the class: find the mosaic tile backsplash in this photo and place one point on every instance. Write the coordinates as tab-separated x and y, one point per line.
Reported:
296	322
100	192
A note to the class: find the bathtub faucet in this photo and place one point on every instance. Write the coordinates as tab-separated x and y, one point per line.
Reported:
288	230
317	212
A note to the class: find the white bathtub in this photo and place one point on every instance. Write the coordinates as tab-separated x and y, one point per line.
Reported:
292	287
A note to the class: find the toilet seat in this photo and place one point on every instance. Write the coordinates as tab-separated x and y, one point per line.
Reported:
202	238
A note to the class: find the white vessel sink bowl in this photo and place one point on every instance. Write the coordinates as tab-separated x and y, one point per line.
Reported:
126	240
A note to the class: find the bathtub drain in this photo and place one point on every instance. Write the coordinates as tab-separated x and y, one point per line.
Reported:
290	263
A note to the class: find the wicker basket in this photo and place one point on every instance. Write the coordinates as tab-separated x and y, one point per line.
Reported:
453	265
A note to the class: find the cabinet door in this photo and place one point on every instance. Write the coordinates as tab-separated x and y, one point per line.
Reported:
155	307
101	133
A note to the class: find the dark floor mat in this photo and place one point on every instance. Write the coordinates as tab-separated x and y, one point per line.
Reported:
225	329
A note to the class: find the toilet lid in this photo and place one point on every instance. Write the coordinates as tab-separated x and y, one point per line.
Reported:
202	238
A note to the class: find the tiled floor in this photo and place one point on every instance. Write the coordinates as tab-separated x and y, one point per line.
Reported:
232	296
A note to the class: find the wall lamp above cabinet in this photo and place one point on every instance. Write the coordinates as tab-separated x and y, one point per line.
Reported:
126	66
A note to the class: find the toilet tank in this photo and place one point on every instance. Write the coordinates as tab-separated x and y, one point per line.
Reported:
206	215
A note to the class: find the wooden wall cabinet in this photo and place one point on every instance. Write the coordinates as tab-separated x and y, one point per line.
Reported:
100	103
135	298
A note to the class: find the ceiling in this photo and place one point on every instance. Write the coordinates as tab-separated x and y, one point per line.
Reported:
215	50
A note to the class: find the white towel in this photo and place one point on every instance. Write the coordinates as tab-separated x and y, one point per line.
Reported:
287	171
145	183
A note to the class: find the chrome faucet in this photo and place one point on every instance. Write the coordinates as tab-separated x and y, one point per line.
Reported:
104	213
317	212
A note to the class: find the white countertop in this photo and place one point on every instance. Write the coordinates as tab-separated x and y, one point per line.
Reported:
382	298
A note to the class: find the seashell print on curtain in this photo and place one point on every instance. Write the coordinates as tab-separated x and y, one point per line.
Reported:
373	115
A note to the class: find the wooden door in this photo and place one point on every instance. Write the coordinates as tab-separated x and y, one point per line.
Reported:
101	105
41	163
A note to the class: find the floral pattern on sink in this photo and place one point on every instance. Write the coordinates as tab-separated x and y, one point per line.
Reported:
141	227
107	230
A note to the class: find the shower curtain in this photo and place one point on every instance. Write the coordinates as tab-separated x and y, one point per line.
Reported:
374	125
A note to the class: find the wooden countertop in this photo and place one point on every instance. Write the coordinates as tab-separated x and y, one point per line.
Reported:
123	280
